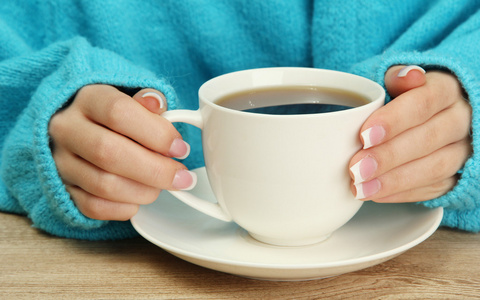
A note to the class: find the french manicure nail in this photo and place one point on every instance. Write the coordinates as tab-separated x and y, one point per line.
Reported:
159	98
184	180
404	71
372	136
367	189
364	169
179	149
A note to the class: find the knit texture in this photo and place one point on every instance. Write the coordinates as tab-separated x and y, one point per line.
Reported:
175	46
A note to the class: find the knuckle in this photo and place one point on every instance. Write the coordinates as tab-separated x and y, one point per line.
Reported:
456	121
56	126
86	90
441	187
89	205
460	152
101	209
442	168
105	152
61	159
89	91
94	209
463	116
116	111
430	138
425	106
105	185
449	85
466	149
85	94
463	110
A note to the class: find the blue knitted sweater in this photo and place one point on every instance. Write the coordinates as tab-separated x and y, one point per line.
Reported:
49	49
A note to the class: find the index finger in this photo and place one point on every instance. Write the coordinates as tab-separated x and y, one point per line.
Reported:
120	113
411	108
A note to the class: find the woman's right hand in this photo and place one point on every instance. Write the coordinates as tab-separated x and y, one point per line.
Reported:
114	152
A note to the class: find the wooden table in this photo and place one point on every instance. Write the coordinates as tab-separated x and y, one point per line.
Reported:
36	265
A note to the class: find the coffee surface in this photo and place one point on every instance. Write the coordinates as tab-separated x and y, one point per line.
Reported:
291	100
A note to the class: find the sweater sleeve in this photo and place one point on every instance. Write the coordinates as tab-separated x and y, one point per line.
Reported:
33	87
457	52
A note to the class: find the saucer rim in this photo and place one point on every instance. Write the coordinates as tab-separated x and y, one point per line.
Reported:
382	256
341	263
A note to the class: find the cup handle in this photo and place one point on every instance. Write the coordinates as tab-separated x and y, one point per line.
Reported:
194	118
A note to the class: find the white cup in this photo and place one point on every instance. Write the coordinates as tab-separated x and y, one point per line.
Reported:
283	178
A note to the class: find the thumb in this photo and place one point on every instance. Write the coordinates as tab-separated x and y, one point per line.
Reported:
400	79
152	100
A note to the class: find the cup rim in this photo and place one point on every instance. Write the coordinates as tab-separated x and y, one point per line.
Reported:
207	86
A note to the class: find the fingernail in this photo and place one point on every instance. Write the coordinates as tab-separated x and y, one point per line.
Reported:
184	180
364	169
404	71
367	189
160	99
179	149
372	136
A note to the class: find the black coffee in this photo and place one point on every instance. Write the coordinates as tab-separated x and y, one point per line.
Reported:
292	100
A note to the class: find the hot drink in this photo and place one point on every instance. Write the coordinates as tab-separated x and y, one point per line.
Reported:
292	100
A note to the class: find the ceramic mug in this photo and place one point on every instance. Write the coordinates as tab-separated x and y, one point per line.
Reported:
283	178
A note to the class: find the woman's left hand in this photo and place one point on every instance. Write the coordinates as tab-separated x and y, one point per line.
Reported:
415	145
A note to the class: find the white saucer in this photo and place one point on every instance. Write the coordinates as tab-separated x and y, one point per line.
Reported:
376	234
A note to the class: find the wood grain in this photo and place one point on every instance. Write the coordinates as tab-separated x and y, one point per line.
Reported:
36	265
